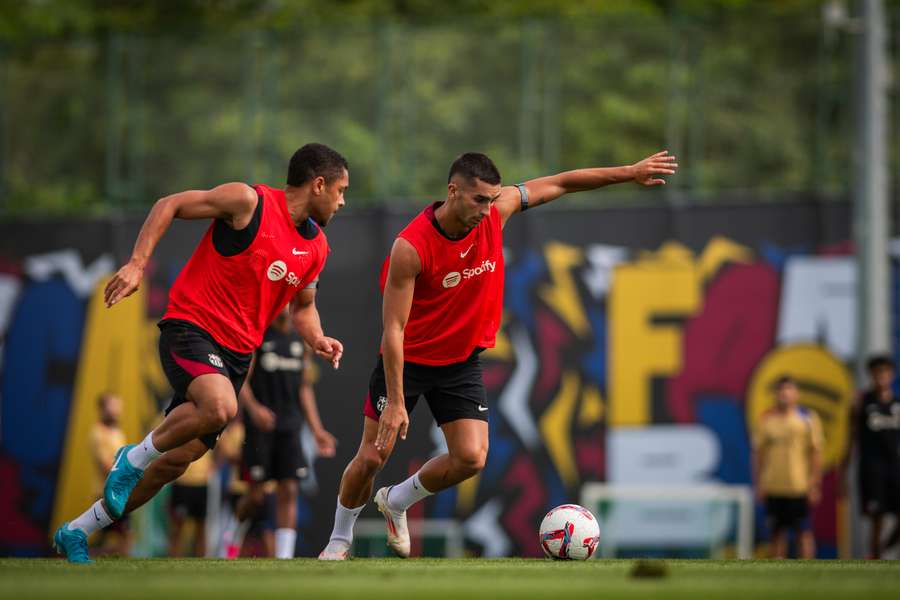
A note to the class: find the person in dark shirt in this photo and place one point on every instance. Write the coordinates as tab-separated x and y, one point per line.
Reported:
277	397
877	428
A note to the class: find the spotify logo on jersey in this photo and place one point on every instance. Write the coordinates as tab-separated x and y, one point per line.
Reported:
277	270
452	279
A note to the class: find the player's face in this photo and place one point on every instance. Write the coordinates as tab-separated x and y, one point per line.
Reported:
112	410
329	198
883	377
787	395
474	199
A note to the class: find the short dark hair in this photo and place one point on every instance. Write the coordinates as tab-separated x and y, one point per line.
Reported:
879	360
315	160
474	164
783	381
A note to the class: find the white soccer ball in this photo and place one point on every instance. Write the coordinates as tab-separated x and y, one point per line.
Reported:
569	532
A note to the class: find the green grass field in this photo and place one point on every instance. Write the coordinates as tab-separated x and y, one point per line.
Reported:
414	579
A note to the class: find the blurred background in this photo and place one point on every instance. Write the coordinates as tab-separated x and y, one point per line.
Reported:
643	329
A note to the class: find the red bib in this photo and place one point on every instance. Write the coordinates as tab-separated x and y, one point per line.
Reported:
235	298
458	297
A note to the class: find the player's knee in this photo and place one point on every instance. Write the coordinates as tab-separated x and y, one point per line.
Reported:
469	461
219	412
287	489
370	461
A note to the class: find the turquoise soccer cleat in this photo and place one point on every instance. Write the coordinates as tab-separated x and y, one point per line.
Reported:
120	482
72	543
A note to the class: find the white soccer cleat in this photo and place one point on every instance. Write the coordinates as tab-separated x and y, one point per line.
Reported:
397	531
335	550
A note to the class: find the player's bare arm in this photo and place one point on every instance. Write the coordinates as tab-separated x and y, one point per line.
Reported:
262	416
305	317
325	442
648	171
405	266
232	202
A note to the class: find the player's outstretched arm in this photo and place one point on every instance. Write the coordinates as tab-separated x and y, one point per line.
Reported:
306	321
647	172
398	295
233	202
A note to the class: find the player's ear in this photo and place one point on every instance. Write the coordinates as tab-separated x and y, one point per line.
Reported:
318	185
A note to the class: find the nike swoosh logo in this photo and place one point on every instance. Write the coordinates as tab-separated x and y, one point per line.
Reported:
482	408
115	466
463	254
299	252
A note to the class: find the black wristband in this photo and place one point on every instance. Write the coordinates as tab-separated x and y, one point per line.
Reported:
523	194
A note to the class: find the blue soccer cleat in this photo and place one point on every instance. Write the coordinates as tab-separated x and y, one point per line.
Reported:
72	543
120	482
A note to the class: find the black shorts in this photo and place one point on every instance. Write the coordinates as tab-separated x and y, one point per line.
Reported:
186	351
787	512
453	391
879	486
268	455
188	501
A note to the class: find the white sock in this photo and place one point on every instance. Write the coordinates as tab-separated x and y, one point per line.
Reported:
344	520
403	495
285	542
93	519
144	453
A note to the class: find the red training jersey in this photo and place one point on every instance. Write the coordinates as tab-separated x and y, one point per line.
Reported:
235	297
458	297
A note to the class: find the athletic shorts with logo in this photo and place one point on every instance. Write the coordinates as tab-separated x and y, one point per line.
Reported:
879	485
272	455
186	352
454	391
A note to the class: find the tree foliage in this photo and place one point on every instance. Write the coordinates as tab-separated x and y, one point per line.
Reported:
111	104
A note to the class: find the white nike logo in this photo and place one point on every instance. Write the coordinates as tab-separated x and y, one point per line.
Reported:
482	408
298	252
115	466
463	254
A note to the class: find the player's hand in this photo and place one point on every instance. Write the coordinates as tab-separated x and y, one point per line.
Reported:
647	171
123	284
325	443
263	418
330	349
393	420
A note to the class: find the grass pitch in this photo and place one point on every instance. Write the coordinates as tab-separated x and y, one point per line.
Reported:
370	579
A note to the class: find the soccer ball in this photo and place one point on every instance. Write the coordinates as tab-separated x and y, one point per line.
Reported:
569	532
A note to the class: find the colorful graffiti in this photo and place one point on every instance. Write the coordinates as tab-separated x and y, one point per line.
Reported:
647	367
612	364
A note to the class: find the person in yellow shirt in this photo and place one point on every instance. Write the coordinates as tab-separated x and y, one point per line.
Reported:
107	437
787	459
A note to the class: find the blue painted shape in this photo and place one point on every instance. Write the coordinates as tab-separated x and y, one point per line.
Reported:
43	341
594	362
443	504
500	453
520	279
556	489
725	417
778	256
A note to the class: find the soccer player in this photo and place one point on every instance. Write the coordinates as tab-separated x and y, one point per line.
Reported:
264	249
107	437
443	296
787	467
877	428
277	397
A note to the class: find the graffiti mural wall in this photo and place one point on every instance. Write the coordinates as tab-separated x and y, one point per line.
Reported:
637	346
